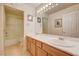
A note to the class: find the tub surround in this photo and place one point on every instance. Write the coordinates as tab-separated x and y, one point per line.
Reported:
46	38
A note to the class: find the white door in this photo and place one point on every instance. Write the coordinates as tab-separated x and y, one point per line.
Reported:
14	29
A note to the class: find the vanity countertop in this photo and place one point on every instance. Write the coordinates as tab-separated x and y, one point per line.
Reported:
46	38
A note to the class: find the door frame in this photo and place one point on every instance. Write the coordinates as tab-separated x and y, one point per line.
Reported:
4	25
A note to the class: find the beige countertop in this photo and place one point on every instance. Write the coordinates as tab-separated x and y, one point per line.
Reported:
49	39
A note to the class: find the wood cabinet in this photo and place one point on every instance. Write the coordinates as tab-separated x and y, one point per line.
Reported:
32	49
38	48
54	51
28	43
50	54
40	52
31	45
38	44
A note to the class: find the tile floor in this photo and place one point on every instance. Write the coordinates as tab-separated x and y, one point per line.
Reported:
16	50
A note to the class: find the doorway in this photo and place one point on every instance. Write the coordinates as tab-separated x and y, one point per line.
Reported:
45	25
14	31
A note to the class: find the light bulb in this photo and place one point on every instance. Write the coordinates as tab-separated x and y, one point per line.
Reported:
46	5
43	7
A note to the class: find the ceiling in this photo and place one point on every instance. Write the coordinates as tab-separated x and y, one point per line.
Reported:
34	5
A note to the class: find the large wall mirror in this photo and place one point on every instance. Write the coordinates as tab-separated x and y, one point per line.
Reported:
67	25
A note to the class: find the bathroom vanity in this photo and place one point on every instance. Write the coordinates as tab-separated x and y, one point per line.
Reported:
41	47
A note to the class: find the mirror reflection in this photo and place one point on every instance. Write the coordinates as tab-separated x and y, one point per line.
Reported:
64	21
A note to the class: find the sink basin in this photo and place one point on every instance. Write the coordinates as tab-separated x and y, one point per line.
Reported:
57	40
64	43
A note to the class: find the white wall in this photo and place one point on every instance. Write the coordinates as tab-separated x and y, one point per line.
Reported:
59	14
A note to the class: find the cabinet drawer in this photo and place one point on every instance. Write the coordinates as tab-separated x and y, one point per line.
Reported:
38	43
53	51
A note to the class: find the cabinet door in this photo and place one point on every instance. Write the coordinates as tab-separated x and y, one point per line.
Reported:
33	49
38	44
40	52
28	44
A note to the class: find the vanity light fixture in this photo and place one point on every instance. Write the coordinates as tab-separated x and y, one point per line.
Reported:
47	7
